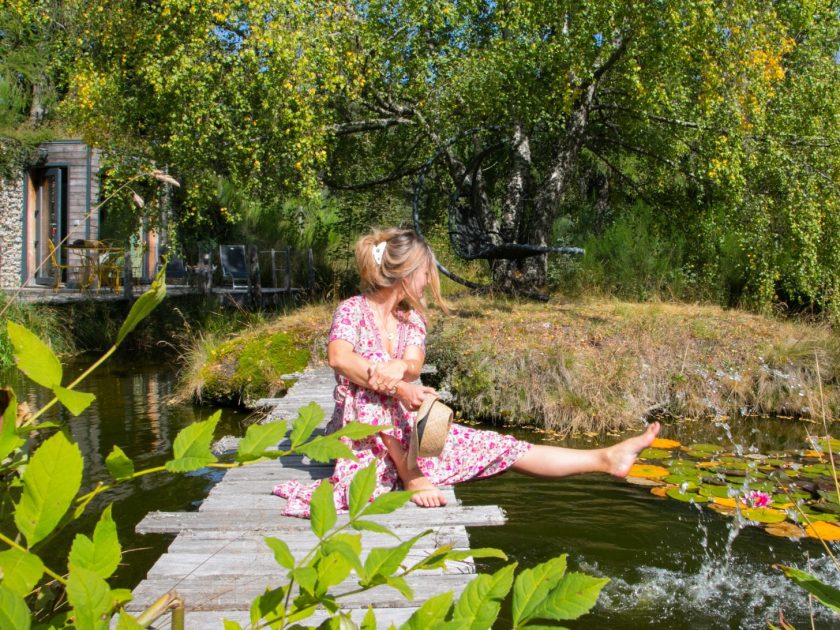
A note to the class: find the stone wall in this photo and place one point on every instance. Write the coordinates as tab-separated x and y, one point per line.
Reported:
11	232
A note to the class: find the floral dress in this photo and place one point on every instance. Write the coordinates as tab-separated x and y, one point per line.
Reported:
467	454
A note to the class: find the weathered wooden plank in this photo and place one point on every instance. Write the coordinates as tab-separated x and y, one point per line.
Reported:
237	592
260	562
211	542
258	497
262	520
384	617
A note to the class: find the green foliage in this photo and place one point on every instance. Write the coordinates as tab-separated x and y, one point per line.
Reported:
50	482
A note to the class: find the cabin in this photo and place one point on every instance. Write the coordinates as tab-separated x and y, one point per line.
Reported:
53	205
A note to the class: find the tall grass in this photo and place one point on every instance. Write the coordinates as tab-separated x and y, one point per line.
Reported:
45	322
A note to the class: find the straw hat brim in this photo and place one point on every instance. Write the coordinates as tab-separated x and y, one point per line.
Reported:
429	431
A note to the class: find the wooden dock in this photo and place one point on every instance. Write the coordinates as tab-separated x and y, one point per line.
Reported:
219	563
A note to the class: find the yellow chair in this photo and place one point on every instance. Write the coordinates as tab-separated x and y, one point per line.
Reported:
85	278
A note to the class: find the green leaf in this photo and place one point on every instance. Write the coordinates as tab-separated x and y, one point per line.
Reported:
9	439
386	560
360	430
388	502
322	509
481	600
369	620
118	464
103	554
361	488
398	583
326	448
21	570
332	569
573	596
192	446
281	551
76	402
306	577
14	614
258	438
371	526
144	305
268	605
50	482
127	622
309	417
827	595
120	596
231	625
34	358
90	598
349	546
532	586
431	614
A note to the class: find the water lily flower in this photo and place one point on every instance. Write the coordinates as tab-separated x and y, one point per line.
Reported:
759	499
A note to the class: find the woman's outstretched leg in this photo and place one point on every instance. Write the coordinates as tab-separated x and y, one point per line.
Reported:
554	461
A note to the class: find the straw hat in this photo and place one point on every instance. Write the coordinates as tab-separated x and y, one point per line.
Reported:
431	426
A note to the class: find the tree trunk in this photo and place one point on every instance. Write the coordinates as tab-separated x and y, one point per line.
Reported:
506	272
538	231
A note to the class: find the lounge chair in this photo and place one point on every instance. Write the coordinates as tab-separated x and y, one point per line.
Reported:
234	265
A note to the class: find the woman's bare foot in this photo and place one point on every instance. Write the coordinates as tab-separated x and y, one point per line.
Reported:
425	493
621	456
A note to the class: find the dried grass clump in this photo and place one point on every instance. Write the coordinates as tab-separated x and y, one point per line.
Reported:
603	365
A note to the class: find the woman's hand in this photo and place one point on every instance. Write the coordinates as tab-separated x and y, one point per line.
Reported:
383	377
411	395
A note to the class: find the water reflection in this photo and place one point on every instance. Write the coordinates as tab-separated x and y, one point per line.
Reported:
131	411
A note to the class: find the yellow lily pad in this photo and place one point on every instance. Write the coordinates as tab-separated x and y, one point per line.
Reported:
730	502
648	471
823	530
660	491
721	509
666	444
707	464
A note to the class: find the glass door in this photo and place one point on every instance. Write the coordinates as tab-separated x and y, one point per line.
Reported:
48	226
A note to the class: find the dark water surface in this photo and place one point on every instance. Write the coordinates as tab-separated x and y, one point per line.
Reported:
671	565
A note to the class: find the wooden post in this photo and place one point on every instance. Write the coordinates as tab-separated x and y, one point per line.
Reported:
254	284
287	279
310	264
273	270
128	279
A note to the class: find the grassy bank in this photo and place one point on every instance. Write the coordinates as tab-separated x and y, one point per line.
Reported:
585	366
603	365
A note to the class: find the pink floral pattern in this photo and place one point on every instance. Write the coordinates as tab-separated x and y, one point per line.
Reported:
467	454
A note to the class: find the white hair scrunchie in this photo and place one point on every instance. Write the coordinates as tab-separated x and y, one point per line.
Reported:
378	250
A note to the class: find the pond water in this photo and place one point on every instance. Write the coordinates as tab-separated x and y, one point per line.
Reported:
671	565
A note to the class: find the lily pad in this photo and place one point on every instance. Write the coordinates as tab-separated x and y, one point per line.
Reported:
648	471
660	491
688	497
823	531
666	444
714	491
683	481
774	462
764	515
820	469
708	464
785	530
643	481
762	486
706	448
654	453
730	502
823	518
721	509
830	496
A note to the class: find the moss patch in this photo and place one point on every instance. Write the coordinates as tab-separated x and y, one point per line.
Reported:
250	365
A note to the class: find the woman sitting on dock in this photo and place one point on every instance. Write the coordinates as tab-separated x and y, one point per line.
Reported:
377	348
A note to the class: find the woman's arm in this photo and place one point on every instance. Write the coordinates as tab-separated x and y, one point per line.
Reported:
344	360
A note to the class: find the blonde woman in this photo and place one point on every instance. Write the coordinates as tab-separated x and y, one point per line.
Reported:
377	348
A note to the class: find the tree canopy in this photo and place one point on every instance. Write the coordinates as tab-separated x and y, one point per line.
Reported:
505	121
